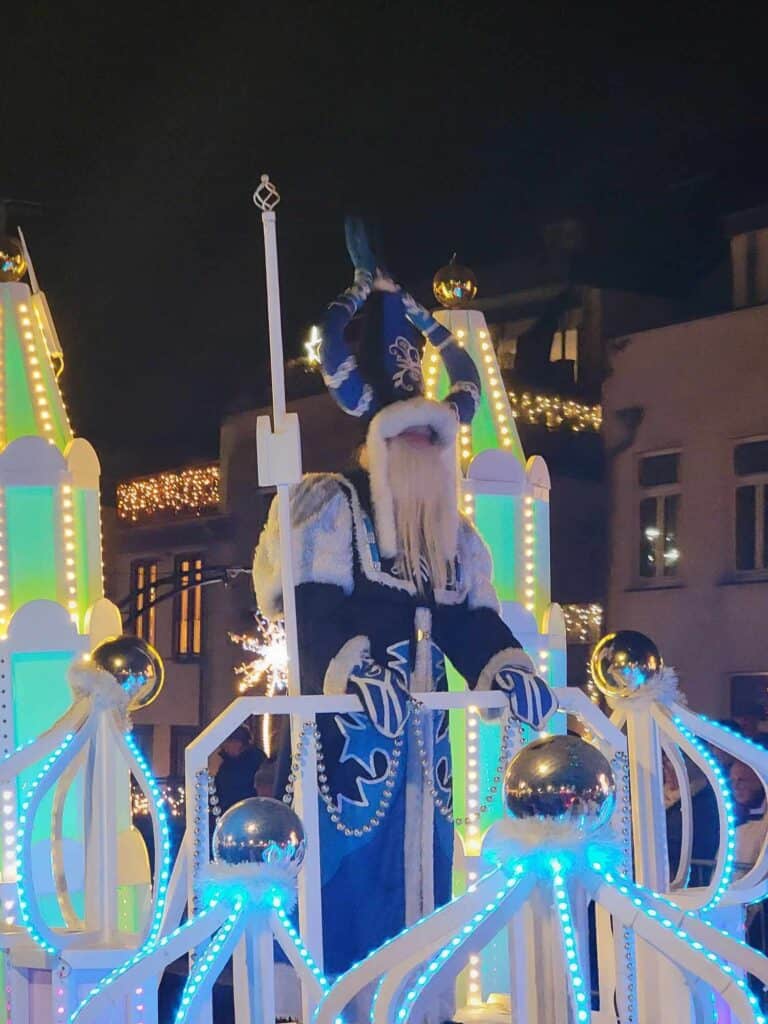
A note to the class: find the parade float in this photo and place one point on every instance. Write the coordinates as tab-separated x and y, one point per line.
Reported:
561	908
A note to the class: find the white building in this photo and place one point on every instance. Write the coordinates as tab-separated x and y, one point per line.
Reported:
685	412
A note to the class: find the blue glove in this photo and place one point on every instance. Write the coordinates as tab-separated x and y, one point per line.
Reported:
358	246
530	699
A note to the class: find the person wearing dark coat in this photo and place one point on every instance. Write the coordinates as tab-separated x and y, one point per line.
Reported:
240	760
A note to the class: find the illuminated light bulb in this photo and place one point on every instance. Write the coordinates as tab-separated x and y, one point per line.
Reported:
460	334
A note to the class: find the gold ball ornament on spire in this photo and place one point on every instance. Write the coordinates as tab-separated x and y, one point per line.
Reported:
135	665
454	285
13	266
625	661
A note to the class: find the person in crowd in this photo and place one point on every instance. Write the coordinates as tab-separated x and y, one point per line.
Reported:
751	819
704	817
241	759
748	722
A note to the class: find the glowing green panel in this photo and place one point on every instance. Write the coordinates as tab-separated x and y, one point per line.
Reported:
30	526
19	411
541	559
41	696
86	523
497	517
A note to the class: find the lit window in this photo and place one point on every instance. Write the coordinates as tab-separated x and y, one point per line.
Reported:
188	624
750	463
659	547
144	593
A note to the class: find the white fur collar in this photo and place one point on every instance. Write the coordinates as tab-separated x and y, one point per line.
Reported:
388	423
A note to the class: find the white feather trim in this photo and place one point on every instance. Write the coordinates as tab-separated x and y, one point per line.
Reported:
388	423
510	657
661	688
263	883
86	679
339	668
321	524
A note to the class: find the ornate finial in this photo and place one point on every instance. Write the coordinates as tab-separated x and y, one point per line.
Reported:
454	285
266	196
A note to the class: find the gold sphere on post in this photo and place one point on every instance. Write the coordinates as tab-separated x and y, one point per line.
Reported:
454	285
624	661
13	266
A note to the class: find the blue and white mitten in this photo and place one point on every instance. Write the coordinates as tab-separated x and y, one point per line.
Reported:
383	692
530	698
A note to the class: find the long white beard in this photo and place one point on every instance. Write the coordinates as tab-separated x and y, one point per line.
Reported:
423	481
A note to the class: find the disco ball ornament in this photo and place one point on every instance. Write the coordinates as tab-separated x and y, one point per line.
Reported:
136	666
561	780
454	285
259	830
13	266
624	661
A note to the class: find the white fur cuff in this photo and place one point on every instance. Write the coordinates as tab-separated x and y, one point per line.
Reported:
340	668
510	657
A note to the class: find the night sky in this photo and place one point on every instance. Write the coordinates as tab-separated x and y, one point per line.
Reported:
143	129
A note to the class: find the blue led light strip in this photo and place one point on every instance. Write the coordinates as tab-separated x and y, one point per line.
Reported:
169	945
300	947
71	749
444	956
577	988
162	843
638	896
210	961
446	909
726	875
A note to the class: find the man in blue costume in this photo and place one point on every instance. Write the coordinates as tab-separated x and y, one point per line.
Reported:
389	580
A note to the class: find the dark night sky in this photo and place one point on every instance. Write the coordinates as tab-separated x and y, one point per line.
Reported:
143	130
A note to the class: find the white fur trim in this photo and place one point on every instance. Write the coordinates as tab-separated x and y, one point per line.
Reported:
322	542
510	657
340	667
477	565
388	423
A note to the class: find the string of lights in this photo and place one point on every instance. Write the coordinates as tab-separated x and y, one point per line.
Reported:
583	623
555	412
193	490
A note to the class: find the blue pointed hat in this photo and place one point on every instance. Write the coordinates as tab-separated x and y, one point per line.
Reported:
385	384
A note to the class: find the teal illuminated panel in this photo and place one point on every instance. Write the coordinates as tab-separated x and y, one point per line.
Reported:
41	695
497	517
30	528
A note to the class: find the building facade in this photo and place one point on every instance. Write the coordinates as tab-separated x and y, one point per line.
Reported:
686	435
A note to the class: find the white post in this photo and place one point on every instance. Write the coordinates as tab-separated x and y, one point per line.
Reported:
284	458
101	837
649	844
253	974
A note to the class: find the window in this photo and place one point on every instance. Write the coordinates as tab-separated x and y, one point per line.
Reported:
750	463
659	479
188	608
144	591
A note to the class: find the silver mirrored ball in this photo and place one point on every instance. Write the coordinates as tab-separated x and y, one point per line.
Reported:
561	780
259	830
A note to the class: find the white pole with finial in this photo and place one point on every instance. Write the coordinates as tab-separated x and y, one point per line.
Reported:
279	464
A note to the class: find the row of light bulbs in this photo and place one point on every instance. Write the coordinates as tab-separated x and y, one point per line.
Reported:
189	490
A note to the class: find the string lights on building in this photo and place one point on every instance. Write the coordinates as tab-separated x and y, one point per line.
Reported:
190	491
583	623
555	412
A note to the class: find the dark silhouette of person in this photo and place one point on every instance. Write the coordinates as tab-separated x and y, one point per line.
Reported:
240	760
